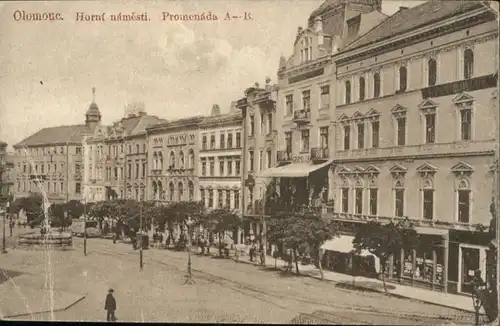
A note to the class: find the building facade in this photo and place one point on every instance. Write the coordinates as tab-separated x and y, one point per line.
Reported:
415	134
173	160
50	162
220	157
7	173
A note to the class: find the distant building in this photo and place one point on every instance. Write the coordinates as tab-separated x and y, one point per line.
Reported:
7	172
50	162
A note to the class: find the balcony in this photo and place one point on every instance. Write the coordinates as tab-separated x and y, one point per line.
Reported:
284	156
418	150
301	116
320	154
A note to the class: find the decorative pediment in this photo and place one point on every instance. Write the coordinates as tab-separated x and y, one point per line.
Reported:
359	183
358	169
399	110
463	98
343	170
357	115
398	170
372	113
372	169
462	168
427	104
426	169
343	118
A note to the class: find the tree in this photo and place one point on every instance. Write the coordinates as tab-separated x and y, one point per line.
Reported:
303	233
32	207
383	240
220	221
56	211
74	208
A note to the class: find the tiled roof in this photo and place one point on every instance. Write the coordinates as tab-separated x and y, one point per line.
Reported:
55	135
411	18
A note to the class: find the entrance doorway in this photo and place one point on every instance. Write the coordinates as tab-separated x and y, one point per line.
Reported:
471	258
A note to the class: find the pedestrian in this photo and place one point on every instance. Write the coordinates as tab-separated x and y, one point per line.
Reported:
110	306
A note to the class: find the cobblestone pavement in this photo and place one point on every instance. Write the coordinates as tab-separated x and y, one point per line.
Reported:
225	291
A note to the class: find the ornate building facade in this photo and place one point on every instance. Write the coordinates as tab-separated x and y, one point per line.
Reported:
415	136
7	173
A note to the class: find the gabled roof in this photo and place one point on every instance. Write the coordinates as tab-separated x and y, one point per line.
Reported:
55	135
409	19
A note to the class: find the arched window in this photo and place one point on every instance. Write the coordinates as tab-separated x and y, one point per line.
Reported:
155	191
172	160
129	149
432	72
428	199
468	64
181	160
155	161
191	190
191	159
181	191
171	191
137	148
160	159
160	191
376	85
361	88
347	92
358	197
403	78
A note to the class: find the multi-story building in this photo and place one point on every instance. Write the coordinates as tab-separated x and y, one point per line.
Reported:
259	146
415	134
50	162
220	156
116	157
305	103
7	172
173	160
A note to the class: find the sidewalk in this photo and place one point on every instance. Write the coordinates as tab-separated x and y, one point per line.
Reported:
459	302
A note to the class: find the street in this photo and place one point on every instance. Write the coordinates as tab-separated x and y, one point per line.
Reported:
225	291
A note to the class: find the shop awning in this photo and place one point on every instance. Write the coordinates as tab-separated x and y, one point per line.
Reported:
292	170
344	244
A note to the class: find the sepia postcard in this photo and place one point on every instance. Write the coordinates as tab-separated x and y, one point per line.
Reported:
250	161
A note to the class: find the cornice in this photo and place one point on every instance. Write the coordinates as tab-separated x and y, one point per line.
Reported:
305	67
361	159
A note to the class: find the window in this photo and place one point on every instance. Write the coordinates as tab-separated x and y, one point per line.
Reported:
228	198
347	92
430	128
237	167
212	141
361	135
376	85
220	199
236	199
251	160
222	141
323	137
203	168
191	191
180	194
428	203
48	188
78	187
432	72
466	124
144	151
269	123
252	126
468	64
399	200
171	191
375	133
116	173
304	138
288	105
464	206
401	131
191	159
212	167
361	88
62	186
403	78
306	100
261	160
288	141
268	158
359	200
347	137
345	200
202	195
42	166
238	139
229	167
325	96
204	142
144	167
137	169
262	124
230	140
79	150
221	167
373	201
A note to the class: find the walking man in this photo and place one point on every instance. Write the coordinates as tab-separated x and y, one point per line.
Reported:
110	306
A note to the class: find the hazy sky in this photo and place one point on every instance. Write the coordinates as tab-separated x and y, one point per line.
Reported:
178	69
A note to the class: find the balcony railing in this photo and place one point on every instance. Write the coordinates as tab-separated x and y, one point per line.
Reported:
319	153
301	116
284	156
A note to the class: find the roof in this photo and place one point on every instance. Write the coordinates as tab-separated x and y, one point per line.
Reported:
324	7
411	18
234	117
55	135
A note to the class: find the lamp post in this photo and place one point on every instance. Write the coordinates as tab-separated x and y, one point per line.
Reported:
189	276
141	265
85	234
4	244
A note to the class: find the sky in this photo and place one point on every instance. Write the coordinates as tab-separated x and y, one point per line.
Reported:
176	68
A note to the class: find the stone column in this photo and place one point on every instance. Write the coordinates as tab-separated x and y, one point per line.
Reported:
434	263
446	252
402	264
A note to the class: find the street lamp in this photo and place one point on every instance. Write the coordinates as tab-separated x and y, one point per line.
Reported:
141	265
189	276
4	245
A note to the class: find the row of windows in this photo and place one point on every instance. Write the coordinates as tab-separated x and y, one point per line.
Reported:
113	151
223	198
432	70
40	168
263	161
47	186
45	151
223	142
324	93
266	124
227	167
305	140
173	162
159	193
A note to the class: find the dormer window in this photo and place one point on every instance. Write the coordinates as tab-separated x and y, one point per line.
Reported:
306	49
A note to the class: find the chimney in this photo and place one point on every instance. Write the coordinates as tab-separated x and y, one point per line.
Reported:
215	110
318	24
401	8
